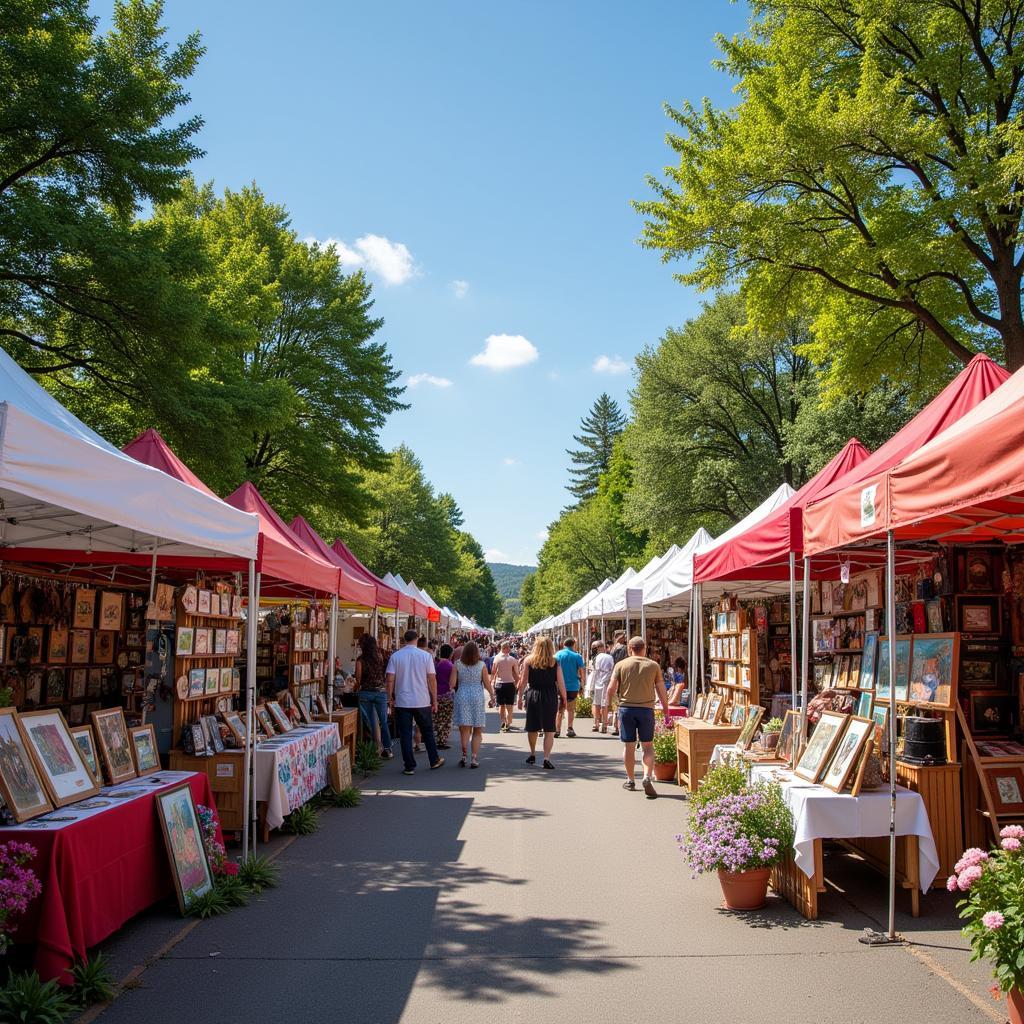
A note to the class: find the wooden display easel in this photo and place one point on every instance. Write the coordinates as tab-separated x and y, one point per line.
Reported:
981	819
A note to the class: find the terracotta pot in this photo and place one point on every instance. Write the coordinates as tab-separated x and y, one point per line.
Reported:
665	772
745	890
1015	1005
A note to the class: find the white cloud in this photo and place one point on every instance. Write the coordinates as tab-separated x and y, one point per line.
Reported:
494	555
390	261
428	378
460	287
506	351
610	364
509	461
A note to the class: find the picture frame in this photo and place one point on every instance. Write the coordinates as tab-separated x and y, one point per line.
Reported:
212	727
869	661
823	636
991	713
236	727
189	599
265	721
281	720
220	641
788	746
823	741
731	676
164	602
57	759
81	646
103	647
57	648
85	608
846	754
226	679
83	736
111	610
232	641
196	682
1006	784
853	679
201	640
979	571
716	702
203	606
902	669
979	670
183	840
752	720
745	646
212	687
21	784
79	678
93	683
114	746
320	703
55	686
935	660
214	603
698	707
978	615
844	671
864	704
183	642
934	615
144	749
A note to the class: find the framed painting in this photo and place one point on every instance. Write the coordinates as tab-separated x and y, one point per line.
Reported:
744	646
111	610
788	745
55	685
183	641
103	647
81	646
844	671
212	682
236	728
750	724
65	775
212	725
220	641
163	604
232	643
853	679
933	668
76	714
869	661
183	838
714	709
846	754
320	703
20	785
823	636
820	746
698	707
1006	784
978	615
58	646
991	713
979	571
85	608
93	682
189	599
201	643
112	740
934	616
226	679
266	722
901	669
144	750
214	603
864	703
281	720
196	682
86	742
204	602
979	670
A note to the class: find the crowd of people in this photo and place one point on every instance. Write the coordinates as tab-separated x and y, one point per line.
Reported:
431	687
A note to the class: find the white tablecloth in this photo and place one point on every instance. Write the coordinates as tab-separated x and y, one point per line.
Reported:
820	813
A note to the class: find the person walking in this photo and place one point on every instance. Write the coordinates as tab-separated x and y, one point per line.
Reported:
540	676
443	668
601	666
572	666
619	649
505	673
638	683
412	692
372	692
470	679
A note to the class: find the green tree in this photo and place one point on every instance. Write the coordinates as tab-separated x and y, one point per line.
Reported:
87	135
871	176
598	431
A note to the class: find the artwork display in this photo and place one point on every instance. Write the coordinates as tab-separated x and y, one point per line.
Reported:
212	681
788	746
111	610
281	720
201	641
933	670
864	702
183	642
823	637
85	609
868	661
144	749
78	681
847	752
227	679
114	746
20	785
86	742
1006	783
183	838
57	758
991	713
204	602
236	728
212	727
266	722
54	686
752	720
820	746
979	571
220	641
103	647
901	665
978	615
81	646
189	599
196	682
232	641
58	649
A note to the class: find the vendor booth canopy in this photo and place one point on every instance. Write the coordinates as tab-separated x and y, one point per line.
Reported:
611	604
387	596
433	608
566	616
66	489
843	513
592	609
351	588
415	603
763	551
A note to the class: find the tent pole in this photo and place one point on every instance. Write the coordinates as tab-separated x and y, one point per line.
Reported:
152	572
792	626
805	637
254	603
691	660
332	645
890	616
700	632
250	679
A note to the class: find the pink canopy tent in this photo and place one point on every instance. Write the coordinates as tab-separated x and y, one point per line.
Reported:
350	587
387	596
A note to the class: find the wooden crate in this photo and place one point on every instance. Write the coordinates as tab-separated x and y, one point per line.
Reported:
695	742
939	786
226	775
348	727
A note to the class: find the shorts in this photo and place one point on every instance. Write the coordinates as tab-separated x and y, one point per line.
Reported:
505	693
599	695
636	723
571	695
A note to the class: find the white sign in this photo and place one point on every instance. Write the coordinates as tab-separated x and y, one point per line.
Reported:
868	509
634	599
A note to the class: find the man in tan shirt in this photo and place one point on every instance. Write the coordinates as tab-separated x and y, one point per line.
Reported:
638	682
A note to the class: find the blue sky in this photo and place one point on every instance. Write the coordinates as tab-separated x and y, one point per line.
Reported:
478	159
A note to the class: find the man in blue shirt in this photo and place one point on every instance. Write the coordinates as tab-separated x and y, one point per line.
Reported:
572	674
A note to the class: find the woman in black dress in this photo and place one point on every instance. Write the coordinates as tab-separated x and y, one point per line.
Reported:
541	677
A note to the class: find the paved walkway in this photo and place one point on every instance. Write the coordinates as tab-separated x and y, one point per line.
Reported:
515	894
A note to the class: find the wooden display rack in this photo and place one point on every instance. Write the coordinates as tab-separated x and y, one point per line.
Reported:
982	820
307	656
745	671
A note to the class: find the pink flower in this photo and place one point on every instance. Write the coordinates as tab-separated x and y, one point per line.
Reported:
968	877
993	920
1012	832
971	858
1010	843
951	883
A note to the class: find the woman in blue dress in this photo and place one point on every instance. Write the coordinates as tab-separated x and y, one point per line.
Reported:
470	679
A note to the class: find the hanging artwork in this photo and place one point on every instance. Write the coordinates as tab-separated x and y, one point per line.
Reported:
115	750
58	647
111	610
933	669
85	608
103	647
81	646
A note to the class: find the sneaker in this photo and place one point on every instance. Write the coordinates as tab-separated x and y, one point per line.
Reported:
408	771
387	754
630	785
652	793
532	759
557	734
570	734
437	763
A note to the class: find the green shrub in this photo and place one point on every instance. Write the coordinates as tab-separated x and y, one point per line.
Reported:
93	981
368	757
211	904
584	707
348	797
303	821
235	892
258	873
721	780
27	1000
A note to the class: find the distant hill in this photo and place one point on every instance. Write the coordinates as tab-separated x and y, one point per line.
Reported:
509	578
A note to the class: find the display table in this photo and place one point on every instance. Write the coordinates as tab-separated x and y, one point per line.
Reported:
97	871
290	769
695	742
348	726
820	814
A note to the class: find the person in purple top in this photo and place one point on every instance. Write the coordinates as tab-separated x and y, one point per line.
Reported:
445	697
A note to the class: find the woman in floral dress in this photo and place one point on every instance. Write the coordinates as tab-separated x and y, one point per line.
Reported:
470	679
443	668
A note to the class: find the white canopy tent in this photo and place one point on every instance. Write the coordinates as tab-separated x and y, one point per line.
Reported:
591	609
612	603
567	616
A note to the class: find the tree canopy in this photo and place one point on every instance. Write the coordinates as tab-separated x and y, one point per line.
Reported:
598	431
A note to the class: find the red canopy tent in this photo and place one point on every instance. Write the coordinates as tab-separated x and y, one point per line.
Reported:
387	596
350	586
833	518
150	447
763	551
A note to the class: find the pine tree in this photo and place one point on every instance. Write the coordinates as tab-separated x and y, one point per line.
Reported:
599	429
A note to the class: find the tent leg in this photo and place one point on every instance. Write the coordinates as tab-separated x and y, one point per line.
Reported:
250	679
332	645
792	626
152	572
805	636
251	717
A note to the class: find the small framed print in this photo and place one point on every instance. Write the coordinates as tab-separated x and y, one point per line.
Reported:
58	647
111	610
304	714
94	683
76	715
226	680
144	749
189	599
236	607
196	682
85	608
183	838
54	685
34	688
236	680
164	602
978	614
320	702
203	606
280	718
201	641
183	644
991	713
78	681
818	752
81	646
1006	784
103	647
86	743
296	673
236	728
213	731
134	638
212	681
231	644
847	752
220	641
265	721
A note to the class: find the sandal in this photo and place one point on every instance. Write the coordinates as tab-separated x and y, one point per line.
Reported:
462	761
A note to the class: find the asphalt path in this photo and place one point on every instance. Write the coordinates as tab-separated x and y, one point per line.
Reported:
514	893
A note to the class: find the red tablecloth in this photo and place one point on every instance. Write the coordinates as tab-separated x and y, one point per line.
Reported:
96	875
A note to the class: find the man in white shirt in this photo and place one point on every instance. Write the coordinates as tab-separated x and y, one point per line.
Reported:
412	692
600	676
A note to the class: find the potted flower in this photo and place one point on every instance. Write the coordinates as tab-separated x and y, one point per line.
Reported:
738	828
770	733
664	752
993	883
